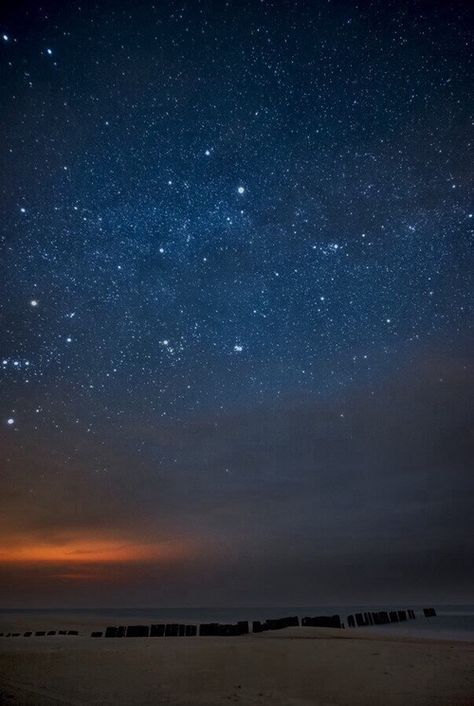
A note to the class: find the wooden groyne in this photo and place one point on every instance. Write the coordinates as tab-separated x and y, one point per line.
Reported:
365	619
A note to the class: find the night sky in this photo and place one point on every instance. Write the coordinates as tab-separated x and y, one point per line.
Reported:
236	309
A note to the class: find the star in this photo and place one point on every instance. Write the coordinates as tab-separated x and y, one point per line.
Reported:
341	219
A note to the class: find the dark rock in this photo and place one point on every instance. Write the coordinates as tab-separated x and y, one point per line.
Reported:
429	612
27	634
350	621
393	616
137	631
191	630
40	633
402	616
51	632
411	614
96	634
62	632
73	632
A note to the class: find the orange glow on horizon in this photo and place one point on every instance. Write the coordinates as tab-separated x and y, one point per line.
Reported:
93	551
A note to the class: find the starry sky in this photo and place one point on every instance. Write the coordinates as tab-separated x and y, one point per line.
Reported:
236	311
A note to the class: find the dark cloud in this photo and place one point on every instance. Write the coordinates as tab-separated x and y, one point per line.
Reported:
373	502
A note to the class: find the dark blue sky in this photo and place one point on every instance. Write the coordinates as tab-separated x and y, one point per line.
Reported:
236	315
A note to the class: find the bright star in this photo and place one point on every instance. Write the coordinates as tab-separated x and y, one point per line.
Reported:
238	348
34	302
241	190
10	421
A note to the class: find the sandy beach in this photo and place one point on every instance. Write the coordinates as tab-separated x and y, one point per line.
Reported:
292	667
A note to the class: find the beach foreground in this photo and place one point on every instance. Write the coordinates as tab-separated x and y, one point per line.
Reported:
294	667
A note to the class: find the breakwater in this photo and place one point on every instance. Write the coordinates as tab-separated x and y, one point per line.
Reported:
242	627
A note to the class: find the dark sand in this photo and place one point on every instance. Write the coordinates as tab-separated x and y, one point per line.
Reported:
292	667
